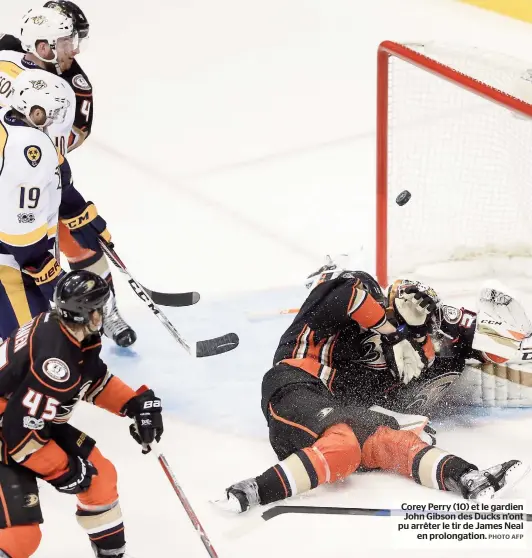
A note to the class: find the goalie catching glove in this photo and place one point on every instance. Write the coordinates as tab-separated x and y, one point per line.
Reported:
414	305
146	411
87	227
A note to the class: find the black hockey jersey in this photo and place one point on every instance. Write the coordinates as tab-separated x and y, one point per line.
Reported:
332	340
44	373
82	88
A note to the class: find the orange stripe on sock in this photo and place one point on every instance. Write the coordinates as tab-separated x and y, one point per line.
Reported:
107	535
282	481
441	473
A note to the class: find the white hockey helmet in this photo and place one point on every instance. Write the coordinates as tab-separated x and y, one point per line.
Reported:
46	24
332	268
38	88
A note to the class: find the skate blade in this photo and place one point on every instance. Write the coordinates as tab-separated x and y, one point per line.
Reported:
513	477
227	505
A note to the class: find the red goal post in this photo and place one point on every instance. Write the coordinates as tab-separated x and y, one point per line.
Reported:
435	101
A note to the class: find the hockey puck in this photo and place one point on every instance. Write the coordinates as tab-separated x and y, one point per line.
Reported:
403	197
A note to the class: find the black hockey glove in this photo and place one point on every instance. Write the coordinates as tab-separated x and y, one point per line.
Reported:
87	227
77	479
146	411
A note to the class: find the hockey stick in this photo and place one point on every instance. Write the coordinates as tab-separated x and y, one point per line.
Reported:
250	524
280	510
207	347
174	299
184	501
260	316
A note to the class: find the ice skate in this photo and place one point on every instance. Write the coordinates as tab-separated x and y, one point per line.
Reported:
113	553
488	483
240	496
115	327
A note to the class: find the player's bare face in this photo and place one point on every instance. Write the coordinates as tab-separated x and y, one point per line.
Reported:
96	322
66	48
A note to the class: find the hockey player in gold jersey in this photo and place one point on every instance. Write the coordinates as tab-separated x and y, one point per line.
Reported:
50	38
32	174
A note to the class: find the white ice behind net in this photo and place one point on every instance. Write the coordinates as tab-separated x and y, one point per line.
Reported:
466	161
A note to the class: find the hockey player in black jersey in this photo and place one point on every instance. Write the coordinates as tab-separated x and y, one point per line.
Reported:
350	355
48	366
52	37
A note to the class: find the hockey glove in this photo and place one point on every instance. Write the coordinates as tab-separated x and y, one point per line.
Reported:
406	359
415	304
45	274
146	411
77	479
87	227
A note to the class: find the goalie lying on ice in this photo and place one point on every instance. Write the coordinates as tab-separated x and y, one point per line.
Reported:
350	352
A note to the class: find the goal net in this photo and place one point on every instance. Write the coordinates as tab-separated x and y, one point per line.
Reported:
455	129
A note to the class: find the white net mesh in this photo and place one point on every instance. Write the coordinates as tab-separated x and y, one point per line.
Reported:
466	160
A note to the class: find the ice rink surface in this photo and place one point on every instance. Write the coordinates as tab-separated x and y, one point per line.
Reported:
233	147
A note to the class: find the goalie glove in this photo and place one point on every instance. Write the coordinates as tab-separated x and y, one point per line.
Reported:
406	359
415	305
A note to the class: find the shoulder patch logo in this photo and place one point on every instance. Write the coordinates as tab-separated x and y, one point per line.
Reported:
56	369
31	500
81	83
33	155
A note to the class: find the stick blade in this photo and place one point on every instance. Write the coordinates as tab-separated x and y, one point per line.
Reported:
174	299
217	346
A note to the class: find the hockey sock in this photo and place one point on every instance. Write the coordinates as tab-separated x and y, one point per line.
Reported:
403	452
104	527
334	456
432	467
97	263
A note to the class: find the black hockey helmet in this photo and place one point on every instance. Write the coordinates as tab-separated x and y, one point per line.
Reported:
71	10
371	285
78	294
337	266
